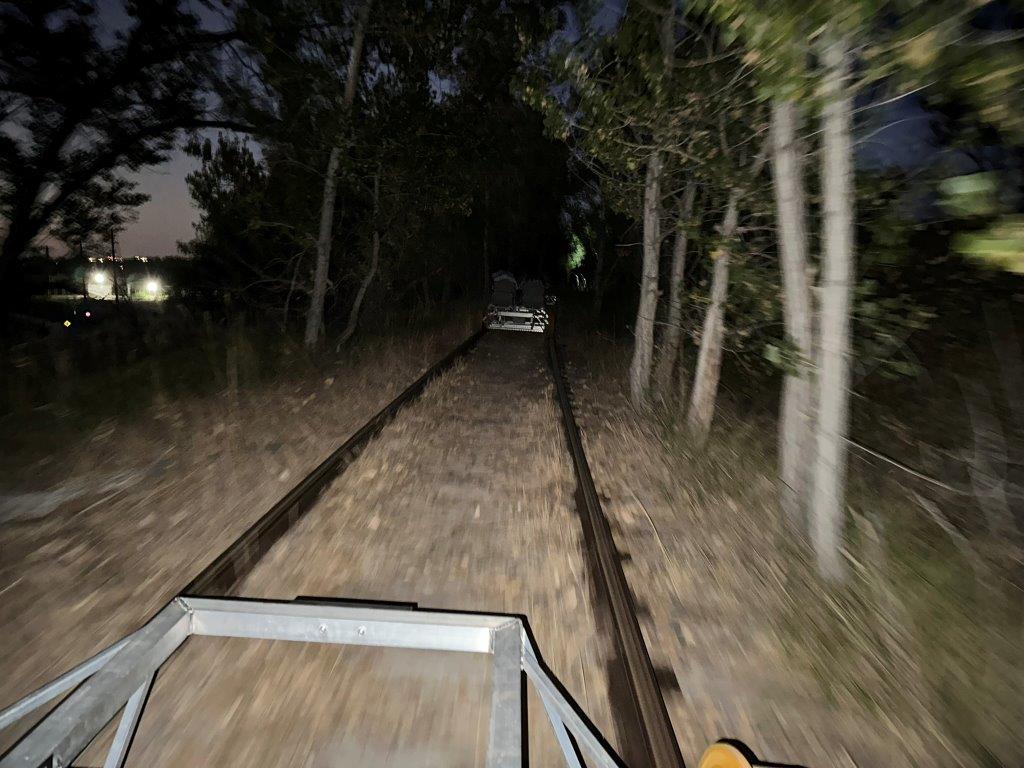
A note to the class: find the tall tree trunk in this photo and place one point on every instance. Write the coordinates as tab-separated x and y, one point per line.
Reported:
836	288
683	383
643	332
598	287
709	358
669	352
315	313
486	244
353	314
795	447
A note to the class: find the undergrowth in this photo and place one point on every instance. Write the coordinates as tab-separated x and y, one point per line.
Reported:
51	412
924	638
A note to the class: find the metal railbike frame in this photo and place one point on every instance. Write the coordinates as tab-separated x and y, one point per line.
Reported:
517	319
121	676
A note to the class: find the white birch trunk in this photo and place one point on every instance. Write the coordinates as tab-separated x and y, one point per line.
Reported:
672	336
795	417
643	333
315	313
829	478
709	359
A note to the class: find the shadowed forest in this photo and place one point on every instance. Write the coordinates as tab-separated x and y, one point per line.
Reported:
783	245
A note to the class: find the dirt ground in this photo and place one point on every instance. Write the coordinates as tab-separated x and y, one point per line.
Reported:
464	502
707	581
106	529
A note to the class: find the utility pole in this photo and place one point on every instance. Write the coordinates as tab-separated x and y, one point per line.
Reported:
85	271
113	267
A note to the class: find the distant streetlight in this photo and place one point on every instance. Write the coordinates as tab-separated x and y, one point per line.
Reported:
152	286
100	278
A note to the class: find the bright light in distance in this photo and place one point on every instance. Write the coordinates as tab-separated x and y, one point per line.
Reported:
152	286
88	314
99	277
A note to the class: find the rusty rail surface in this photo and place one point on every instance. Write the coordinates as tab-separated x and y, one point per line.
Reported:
648	731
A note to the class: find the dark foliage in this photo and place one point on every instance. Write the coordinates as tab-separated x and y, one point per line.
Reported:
80	106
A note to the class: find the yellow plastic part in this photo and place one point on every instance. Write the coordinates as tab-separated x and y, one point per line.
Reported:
723	756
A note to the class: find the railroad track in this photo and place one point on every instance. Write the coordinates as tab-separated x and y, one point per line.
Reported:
641	718
229	568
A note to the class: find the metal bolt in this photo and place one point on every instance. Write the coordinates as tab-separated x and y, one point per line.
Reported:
362	630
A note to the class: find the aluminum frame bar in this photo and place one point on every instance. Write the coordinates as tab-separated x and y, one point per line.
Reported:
65	682
118	751
504	744
122	676
565	712
62	735
318	623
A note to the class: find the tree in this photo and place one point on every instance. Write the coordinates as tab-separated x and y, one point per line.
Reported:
431	125
353	315
704	392
242	248
298	86
80	111
795	409
647	135
672	337
837	278
815	58
105	205
314	316
643	329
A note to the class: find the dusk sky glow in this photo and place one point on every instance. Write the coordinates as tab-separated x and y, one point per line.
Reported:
168	216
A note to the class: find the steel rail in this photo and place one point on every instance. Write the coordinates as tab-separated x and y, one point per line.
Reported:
649	736
651	719
235	562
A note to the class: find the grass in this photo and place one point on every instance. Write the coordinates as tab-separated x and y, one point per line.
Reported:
924	639
46	415
925	634
926	631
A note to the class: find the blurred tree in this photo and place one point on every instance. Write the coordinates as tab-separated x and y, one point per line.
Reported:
78	110
650	136
817	57
438	154
104	206
240	248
